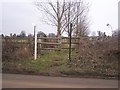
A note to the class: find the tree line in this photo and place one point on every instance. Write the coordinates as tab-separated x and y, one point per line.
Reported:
42	34
23	35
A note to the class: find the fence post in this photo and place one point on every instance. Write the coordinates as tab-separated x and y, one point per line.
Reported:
70	42
35	47
60	42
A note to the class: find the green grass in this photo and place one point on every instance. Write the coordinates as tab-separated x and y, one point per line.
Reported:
56	63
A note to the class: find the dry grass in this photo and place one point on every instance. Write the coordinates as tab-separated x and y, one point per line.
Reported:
94	59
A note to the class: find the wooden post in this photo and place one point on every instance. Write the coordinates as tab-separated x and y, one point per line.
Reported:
70	42
59	41
35	47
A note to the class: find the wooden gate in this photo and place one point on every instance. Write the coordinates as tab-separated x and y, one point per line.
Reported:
54	43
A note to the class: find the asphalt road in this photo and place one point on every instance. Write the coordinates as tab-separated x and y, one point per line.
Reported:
30	81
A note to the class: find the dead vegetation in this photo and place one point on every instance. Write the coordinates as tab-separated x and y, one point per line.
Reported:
93	58
16	51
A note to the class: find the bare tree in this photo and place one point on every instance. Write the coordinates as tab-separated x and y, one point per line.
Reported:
80	19
54	12
61	13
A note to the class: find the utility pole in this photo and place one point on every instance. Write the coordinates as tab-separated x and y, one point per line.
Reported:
35	47
70	42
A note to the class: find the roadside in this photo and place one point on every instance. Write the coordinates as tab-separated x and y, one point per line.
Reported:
55	63
93	59
31	81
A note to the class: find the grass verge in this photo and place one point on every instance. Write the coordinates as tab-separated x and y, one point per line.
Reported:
56	63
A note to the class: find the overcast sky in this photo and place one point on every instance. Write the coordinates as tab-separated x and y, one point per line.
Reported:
19	15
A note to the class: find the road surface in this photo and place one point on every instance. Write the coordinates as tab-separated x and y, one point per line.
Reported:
31	81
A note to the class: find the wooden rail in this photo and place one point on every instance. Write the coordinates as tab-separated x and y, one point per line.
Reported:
48	43
45	43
